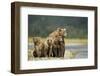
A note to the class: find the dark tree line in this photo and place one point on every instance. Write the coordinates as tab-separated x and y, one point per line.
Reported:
39	25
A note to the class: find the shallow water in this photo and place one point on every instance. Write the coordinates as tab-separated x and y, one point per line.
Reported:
73	51
82	50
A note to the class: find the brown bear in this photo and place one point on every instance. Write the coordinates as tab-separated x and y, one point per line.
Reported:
56	46
58	43
49	44
40	49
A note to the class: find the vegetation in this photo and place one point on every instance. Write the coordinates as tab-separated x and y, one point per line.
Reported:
39	25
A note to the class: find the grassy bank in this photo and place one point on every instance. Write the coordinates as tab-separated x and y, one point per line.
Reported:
82	41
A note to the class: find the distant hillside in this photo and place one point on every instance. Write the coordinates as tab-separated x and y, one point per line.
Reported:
39	25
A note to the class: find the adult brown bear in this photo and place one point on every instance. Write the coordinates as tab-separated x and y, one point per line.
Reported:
58	43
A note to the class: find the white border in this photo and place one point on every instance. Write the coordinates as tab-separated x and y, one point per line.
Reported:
25	64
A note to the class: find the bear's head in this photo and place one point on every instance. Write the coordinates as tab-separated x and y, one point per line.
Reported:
62	31
36	40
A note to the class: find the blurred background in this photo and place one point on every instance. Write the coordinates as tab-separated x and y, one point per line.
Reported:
41	25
